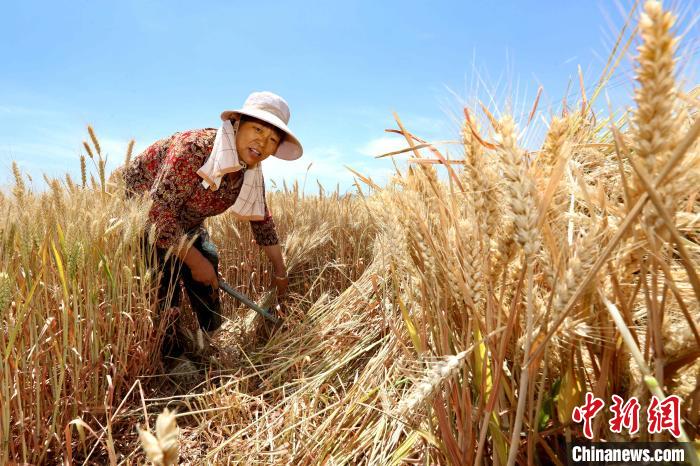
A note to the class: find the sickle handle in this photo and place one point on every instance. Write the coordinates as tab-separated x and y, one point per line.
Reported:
247	301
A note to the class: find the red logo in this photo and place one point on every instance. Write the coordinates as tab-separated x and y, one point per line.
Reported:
587	412
661	415
624	415
665	415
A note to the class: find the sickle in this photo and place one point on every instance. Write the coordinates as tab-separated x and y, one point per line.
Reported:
248	302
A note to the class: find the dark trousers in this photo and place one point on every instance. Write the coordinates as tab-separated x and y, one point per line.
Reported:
204	299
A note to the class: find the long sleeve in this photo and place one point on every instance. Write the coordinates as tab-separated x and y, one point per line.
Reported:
139	174
264	231
174	184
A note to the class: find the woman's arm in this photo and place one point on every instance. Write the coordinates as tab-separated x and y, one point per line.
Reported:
174	184
280	280
201	269
274	253
265	235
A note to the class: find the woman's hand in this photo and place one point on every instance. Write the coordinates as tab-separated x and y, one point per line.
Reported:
204	272
201	269
281	282
279	278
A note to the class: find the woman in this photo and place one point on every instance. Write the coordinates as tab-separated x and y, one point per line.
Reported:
196	174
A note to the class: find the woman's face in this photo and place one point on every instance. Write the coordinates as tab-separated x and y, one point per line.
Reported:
256	141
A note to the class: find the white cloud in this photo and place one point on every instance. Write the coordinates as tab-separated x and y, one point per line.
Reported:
57	151
115	149
383	145
36	150
15	111
325	164
425	127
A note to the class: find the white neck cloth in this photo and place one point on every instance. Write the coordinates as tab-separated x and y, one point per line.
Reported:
250	204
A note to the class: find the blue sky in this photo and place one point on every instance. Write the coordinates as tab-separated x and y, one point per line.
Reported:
146	69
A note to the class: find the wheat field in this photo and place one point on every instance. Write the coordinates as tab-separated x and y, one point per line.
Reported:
456	315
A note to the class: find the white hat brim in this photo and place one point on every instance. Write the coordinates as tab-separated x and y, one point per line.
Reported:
290	149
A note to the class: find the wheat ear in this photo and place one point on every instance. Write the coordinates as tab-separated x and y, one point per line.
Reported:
427	387
655	133
162	449
95	142
520	188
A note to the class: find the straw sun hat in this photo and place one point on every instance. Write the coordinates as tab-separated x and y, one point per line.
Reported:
274	110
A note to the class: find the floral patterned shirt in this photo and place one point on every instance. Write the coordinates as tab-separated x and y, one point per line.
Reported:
167	170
